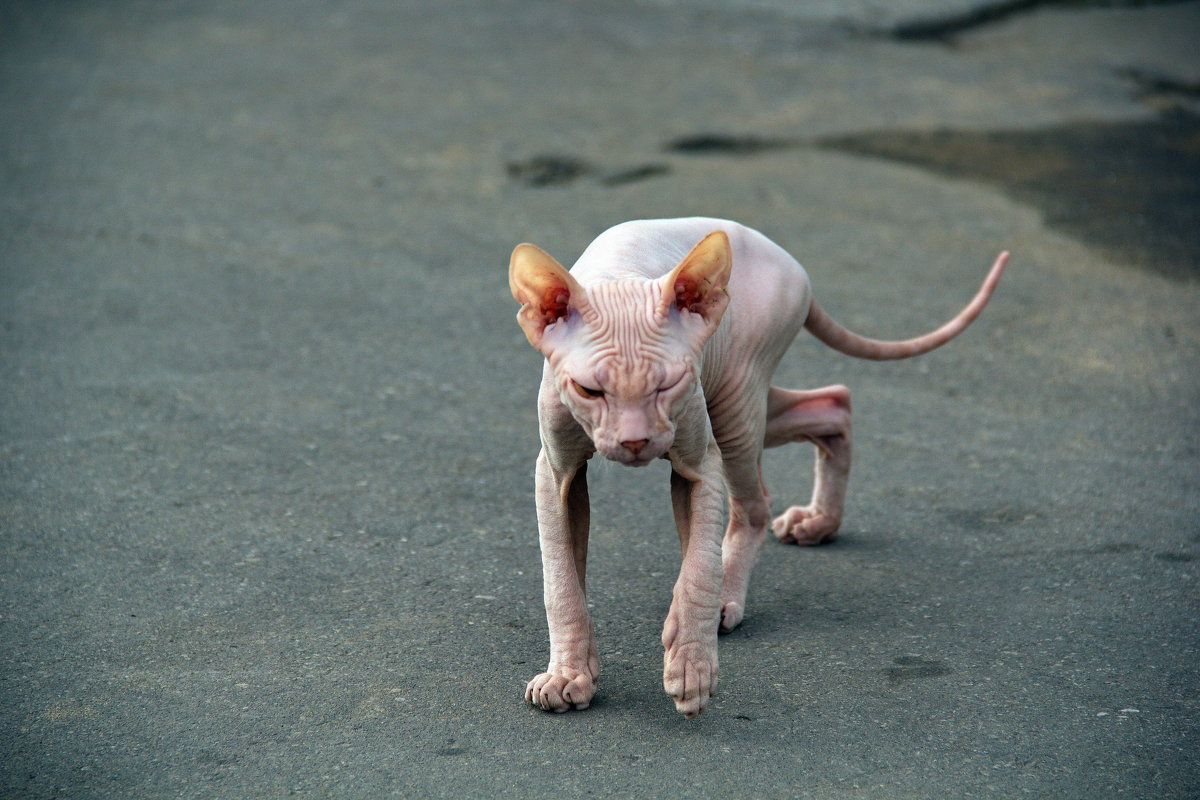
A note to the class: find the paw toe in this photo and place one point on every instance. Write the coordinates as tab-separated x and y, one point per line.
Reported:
805	526
559	693
731	616
691	681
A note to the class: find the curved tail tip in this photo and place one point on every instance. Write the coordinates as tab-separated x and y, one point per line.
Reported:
998	267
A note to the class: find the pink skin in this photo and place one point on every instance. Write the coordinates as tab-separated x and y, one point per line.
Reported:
660	343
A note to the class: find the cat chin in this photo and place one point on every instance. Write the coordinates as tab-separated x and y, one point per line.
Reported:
625	460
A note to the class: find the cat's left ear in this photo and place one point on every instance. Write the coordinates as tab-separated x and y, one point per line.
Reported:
545	290
699	285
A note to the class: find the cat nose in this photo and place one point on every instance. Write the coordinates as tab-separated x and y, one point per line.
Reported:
635	445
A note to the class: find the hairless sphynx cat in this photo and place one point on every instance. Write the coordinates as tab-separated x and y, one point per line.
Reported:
660	343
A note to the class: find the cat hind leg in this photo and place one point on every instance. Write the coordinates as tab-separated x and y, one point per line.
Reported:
821	417
749	515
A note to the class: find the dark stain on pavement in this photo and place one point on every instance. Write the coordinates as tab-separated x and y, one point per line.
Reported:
633	174
727	144
557	170
905	668
548	170
1130	189
942	28
450	750
1159	90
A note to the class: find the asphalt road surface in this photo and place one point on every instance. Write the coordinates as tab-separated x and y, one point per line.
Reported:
267	423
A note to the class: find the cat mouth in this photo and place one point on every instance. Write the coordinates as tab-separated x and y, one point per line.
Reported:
628	459
641	459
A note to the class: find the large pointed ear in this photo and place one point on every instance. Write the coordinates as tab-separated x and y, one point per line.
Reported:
544	289
700	283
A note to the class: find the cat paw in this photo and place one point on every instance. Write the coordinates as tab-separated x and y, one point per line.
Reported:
731	616
690	676
804	525
561	691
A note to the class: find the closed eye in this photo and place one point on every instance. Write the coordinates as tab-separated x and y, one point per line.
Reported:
584	391
671	384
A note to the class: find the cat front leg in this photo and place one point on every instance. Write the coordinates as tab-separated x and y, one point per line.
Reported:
690	632
563	516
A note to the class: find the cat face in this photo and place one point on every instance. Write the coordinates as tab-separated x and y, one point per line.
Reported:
624	354
622	373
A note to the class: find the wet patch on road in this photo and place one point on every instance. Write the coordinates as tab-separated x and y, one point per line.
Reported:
1131	189
557	170
548	170
942	28
633	174
906	668
1160	91
727	144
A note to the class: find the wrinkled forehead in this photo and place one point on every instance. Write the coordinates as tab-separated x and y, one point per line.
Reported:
627	340
627	303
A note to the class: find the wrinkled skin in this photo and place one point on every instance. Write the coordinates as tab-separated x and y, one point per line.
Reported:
660	343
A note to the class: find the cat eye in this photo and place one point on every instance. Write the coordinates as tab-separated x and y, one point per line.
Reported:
584	391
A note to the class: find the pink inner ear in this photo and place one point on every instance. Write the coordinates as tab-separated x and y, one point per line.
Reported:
554	304
687	295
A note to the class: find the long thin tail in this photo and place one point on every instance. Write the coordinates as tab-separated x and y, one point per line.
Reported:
824	328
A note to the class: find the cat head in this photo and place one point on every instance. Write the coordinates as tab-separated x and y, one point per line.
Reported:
625	353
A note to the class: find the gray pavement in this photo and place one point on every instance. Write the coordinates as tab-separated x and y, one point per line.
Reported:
267	425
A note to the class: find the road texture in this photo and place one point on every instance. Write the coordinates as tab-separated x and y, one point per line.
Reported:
267	423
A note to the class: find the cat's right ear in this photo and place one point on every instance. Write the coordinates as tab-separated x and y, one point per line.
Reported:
545	290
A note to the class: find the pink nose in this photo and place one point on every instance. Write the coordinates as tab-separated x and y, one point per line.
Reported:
635	446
